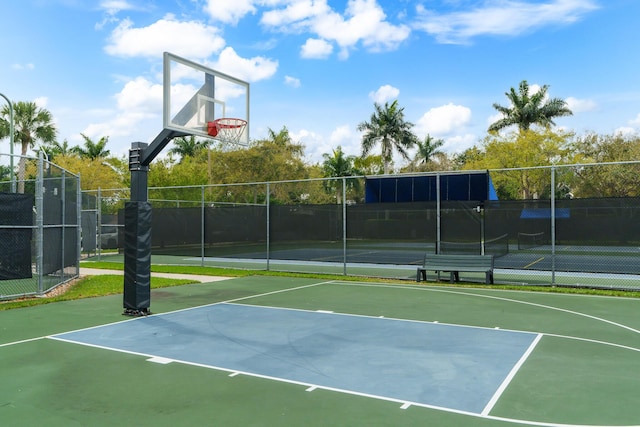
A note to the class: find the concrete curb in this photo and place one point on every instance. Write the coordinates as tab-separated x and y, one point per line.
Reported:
196	277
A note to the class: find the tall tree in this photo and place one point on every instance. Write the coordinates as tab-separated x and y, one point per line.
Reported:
388	127
55	148
96	173
188	146
527	109
92	150
31	124
282	137
611	180
338	165
428	150
522	156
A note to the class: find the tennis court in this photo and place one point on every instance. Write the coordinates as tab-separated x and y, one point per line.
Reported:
265	351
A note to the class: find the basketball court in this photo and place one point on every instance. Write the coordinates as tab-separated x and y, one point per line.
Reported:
286	351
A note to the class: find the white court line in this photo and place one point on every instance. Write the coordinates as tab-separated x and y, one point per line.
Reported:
474	294
21	341
181	310
510	376
53	336
160	360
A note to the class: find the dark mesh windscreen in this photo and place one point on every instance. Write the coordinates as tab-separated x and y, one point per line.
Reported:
306	232
15	243
384	233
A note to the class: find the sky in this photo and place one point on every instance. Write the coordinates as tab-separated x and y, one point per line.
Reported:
318	66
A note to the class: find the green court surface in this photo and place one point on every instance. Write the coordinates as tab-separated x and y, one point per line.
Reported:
580	370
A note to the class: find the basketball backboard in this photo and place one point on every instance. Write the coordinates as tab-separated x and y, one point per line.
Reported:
195	97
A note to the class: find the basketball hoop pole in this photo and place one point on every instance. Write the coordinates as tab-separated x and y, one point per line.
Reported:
137	226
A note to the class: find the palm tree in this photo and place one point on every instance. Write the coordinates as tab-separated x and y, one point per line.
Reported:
337	165
428	149
387	126
188	147
56	149
31	124
92	150
527	109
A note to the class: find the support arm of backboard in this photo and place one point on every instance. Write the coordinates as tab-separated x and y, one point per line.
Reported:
158	144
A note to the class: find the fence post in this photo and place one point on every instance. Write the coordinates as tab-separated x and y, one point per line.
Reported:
438	218
202	230
12	176
553	225
268	224
63	218
344	224
78	224
39	222
99	226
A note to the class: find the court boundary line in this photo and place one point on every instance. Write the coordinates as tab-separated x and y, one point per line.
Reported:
405	404
309	387
397	319
460	292
501	389
7	344
160	314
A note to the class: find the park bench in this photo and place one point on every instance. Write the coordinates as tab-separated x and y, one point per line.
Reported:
454	264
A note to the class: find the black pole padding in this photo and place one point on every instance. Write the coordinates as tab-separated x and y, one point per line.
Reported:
137	259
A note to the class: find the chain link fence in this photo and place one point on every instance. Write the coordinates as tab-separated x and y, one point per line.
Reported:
39	224
573	225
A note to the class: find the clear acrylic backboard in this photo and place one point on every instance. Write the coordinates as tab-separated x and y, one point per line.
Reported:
196	98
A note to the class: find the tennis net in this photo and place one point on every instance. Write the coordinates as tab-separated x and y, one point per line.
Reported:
498	246
531	240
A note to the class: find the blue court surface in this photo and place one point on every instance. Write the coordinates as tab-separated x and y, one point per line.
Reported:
456	368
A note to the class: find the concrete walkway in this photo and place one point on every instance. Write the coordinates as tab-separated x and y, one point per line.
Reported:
196	277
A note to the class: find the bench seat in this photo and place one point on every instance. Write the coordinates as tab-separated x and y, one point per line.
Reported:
454	264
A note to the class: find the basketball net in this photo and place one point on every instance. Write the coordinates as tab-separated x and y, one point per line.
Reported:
226	129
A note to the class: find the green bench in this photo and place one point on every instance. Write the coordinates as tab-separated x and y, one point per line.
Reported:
454	264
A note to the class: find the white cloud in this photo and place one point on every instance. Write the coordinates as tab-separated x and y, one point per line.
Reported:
112	7
41	102
625	131
229	11
502	18
314	143
196	40
636	121
459	143
444	120
140	95
580	105
494	118
316	49
384	93
342	134
292	81
363	22
138	114
22	67
248	69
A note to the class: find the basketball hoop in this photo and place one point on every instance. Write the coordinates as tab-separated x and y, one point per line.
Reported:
226	129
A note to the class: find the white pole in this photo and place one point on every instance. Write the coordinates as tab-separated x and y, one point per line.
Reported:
11	136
